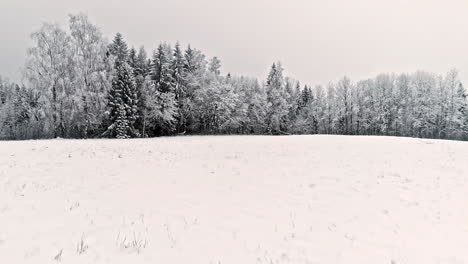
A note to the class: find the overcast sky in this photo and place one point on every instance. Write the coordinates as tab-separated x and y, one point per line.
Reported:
317	40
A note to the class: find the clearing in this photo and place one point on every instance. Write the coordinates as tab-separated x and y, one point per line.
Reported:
234	199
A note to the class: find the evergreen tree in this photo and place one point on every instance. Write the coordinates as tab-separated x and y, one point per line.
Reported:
123	98
178	70
306	96
461	114
277	99
73	76
195	79
142	63
257	109
215	66
141	71
180	81
119	49
190	60
160	111
291	101
298	98
162	69
132	59
164	82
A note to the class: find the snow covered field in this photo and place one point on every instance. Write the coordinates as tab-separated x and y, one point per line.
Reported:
234	199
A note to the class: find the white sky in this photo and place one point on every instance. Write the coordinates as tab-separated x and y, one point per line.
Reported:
317	40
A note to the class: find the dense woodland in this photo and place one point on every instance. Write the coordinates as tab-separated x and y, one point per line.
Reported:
76	84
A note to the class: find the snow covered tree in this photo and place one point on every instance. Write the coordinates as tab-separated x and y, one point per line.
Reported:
277	98
330	110
344	103
451	83
291	101
132	58
48	68
160	111
215	66
163	78
180	84
14	111
142	64
178	71
141	71
403	103
423	85
319	106
123	100
194	60
72	77
215	106
162	69
195	79
91	72
249	113
460	120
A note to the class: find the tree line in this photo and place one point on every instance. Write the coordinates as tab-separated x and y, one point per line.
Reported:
77	85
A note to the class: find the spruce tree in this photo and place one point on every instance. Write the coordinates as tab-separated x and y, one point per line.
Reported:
215	66
277	99
123	98
132	59
119	49
162	69
305	96
180	81
190	60
142	66
161	100
298	98
461	114
178	70
141	70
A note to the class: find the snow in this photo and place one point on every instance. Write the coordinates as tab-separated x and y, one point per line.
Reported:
234	199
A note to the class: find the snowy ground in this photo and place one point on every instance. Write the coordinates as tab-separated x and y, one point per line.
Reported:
234	199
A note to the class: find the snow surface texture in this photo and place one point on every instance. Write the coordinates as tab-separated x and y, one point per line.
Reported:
234	199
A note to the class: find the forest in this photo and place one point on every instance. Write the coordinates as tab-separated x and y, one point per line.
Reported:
77	84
